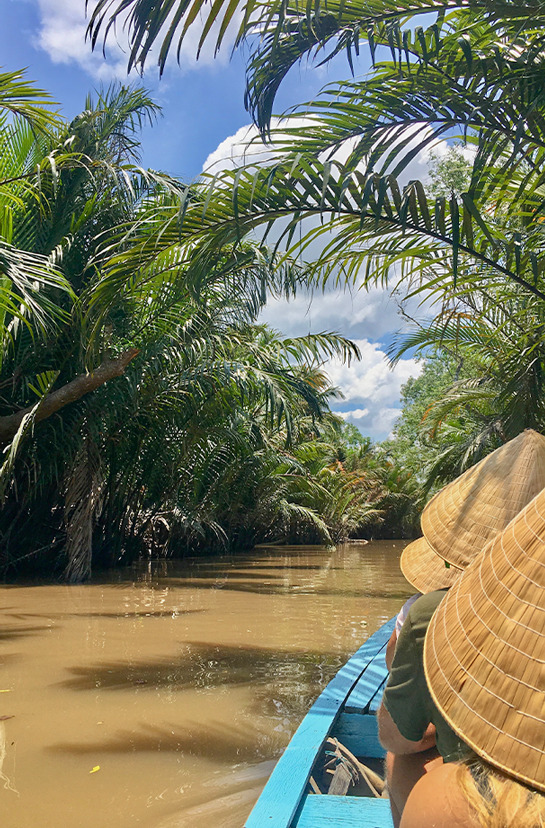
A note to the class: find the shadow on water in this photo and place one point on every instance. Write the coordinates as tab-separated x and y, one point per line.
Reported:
284	685
205	666
226	743
9	658
232	573
8	634
229	584
285	566
174	613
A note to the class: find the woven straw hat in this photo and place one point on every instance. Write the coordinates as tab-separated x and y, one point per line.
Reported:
484	653
424	569
466	514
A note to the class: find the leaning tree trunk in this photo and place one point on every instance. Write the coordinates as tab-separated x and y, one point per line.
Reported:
72	391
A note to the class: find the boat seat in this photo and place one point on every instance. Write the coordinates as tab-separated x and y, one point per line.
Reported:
343	812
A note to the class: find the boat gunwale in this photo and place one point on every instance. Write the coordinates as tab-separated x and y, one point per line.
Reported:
281	798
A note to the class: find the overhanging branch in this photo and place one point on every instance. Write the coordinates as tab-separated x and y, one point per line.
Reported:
72	391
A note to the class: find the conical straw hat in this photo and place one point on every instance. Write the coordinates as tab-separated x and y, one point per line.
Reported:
484	652
424	569
466	514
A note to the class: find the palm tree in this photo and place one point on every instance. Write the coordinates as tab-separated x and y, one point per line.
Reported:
58	185
27	277
154	381
62	188
287	29
475	72
497	390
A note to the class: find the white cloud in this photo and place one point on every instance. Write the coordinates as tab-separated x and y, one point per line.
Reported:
371	378
366	314
371	389
242	148
377	424
245	147
356	414
369	314
62	35
63	25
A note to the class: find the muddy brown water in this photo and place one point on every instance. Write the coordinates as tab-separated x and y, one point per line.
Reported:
162	696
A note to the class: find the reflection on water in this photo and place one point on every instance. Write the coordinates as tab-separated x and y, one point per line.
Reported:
160	698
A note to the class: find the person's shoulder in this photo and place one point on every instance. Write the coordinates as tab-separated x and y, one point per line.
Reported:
424	607
436	801
403	612
415	625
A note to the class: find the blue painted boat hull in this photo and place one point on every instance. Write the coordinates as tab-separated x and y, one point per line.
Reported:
345	709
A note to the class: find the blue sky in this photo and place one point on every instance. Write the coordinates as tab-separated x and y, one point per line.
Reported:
202	100
203	121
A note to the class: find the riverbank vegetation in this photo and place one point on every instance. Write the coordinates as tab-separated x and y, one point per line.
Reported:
143	409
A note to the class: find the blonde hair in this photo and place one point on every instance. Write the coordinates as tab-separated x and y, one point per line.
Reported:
499	801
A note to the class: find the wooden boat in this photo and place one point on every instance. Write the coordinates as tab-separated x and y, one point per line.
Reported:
345	710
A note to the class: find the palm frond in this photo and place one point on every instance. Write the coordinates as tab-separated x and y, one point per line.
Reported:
21	98
374	225
27	285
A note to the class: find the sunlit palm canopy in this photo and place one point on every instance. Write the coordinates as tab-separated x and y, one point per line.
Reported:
502	335
28	277
281	32
363	227
22	98
289	29
475	72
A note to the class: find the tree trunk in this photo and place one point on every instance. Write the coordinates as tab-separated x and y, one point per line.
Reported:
72	391
79	511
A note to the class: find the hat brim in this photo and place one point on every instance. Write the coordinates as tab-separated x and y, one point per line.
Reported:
424	569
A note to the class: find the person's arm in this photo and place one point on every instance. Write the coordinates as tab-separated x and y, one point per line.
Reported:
391	739
390	650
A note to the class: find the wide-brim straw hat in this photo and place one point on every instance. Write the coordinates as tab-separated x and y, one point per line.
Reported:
424	569
484	653
466	514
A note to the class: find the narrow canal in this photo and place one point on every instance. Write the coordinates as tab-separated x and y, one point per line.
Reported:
160	697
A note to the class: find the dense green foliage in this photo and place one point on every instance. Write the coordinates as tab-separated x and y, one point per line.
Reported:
143	410
476	72
471	246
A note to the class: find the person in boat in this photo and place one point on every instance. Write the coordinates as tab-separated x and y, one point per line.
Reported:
415	736
484	659
427	572
457	523
472	795
400	620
